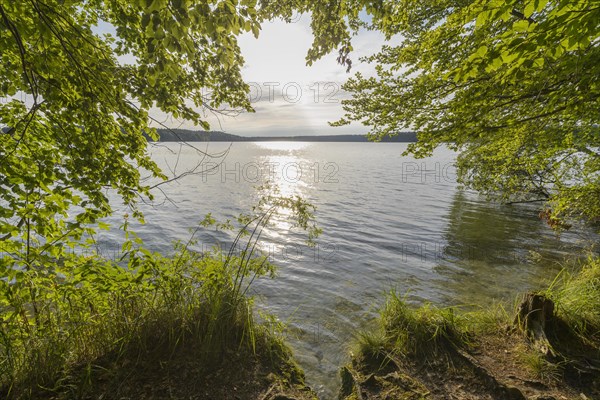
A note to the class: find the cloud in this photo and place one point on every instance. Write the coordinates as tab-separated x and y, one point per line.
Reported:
291	98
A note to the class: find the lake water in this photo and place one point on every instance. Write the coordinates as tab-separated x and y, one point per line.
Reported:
389	222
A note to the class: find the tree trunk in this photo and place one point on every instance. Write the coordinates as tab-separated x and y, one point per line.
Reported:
533	314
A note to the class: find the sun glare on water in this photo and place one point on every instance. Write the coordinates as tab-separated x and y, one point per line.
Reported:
289	173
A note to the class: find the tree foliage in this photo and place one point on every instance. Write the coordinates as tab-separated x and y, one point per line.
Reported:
514	85
75	113
74	110
76	102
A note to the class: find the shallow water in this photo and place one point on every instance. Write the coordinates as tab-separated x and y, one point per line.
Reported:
389	222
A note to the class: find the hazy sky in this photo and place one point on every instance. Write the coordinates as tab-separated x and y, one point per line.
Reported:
289	97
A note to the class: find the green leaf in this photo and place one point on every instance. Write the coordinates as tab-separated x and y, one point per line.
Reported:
521	26
482	51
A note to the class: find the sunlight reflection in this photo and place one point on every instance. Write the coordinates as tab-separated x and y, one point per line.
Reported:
290	173
290	146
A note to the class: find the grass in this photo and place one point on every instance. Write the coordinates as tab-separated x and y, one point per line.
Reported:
409	331
373	345
82	334
418	331
482	347
119	316
540	367
577	298
74	325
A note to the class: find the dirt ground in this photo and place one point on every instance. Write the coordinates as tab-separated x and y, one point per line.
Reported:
180	375
492	367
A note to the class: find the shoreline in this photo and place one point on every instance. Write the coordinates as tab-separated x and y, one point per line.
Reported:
547	348
408	353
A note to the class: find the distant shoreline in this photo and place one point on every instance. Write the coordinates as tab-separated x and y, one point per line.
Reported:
182	135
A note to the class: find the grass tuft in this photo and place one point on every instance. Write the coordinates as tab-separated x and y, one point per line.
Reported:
423	329
577	298
541	367
413	331
373	346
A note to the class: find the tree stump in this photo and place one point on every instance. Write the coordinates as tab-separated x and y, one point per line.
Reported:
534	312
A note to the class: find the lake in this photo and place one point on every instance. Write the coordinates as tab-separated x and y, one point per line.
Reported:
389	222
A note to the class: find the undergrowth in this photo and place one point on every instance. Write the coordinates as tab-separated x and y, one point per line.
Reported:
577	298
69	320
421	331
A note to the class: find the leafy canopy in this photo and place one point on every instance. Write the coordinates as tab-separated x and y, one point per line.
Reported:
512	84
74	112
76	102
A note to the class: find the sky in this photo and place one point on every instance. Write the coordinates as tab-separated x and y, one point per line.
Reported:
289	97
